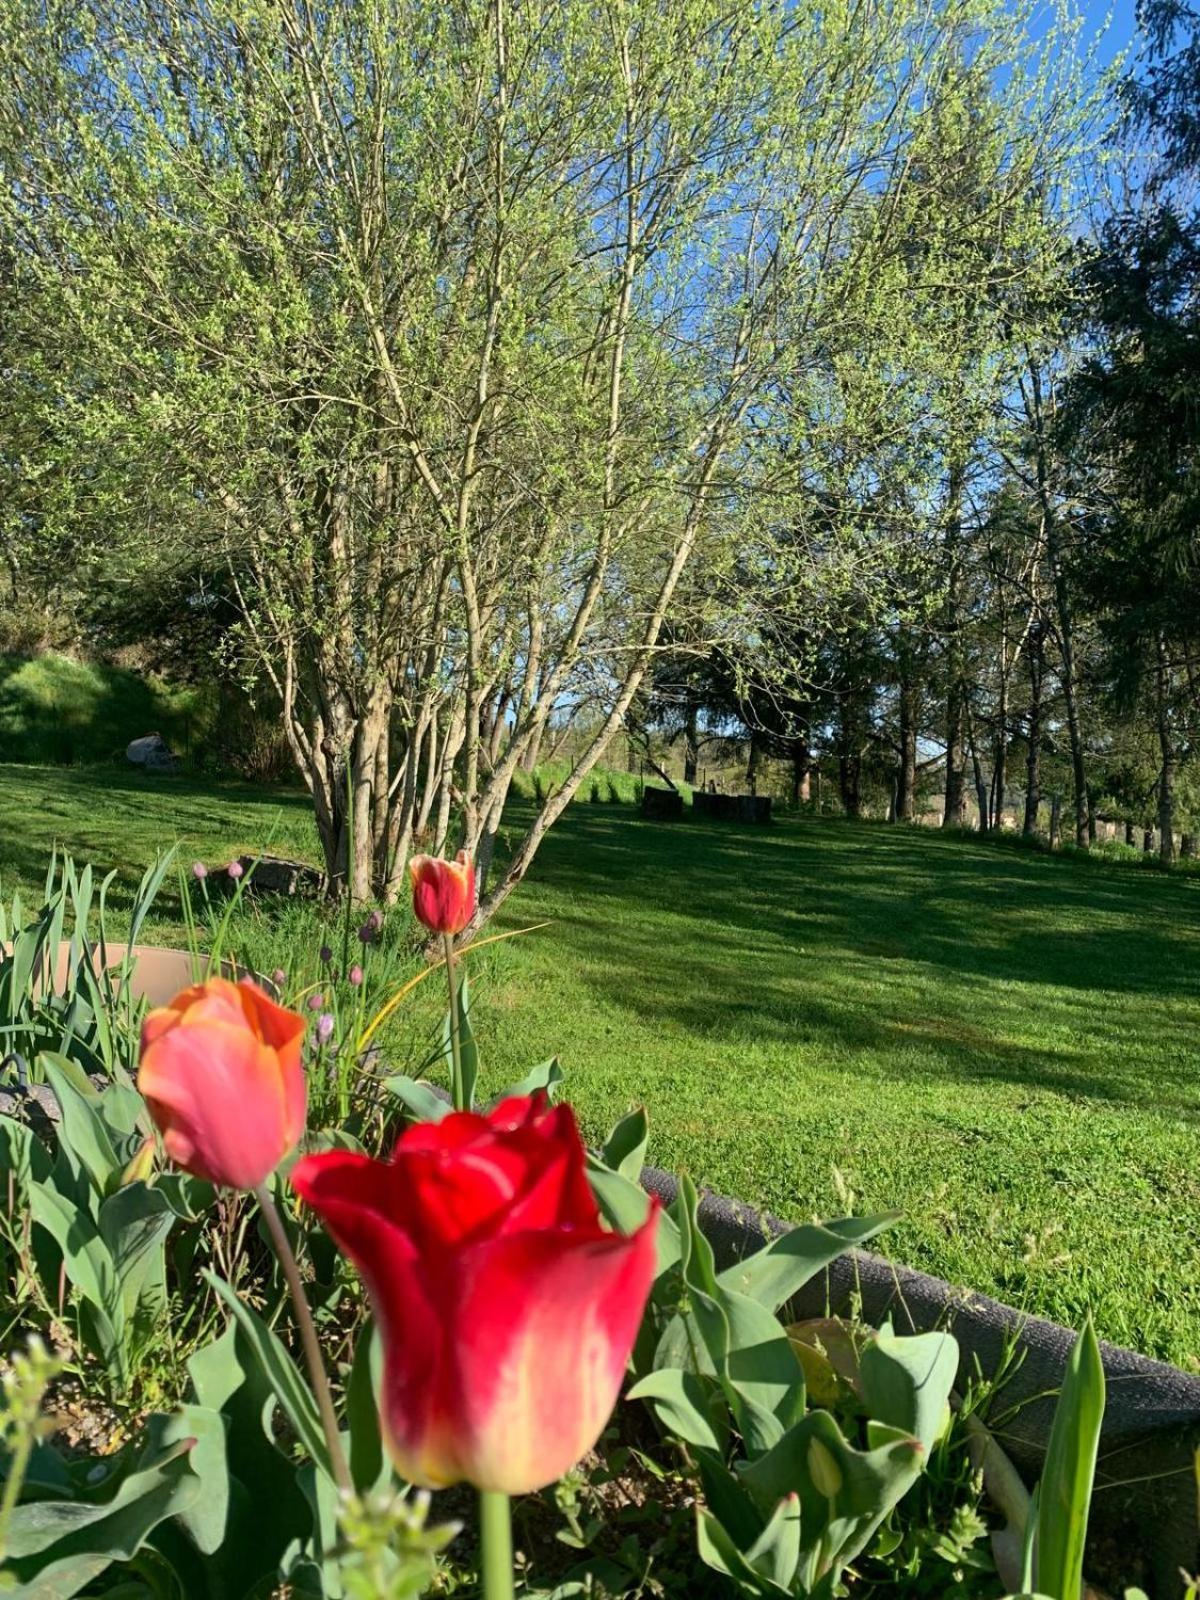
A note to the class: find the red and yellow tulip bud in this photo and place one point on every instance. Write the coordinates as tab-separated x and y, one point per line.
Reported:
443	892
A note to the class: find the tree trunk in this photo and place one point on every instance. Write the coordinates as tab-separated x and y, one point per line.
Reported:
906	770
533	750
955	813
981	788
1166	778
1070	686
999	780
691	744
1033	763
1055	821
850	781
1187	847
1130	834
1147	840
752	765
801	763
1000	750
1036	413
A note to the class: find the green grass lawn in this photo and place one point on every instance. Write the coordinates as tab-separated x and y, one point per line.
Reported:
1001	1044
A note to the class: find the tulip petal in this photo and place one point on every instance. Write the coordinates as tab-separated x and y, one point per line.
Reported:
355	1197
283	1031
274	1024
503	1350
544	1327
522	1166
219	1098
443	892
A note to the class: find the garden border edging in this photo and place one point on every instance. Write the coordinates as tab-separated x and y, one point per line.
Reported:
1145	1483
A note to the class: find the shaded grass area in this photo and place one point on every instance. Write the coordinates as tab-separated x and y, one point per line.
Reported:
120	818
56	709
1001	1044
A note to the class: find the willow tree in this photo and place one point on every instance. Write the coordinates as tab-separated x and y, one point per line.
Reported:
460	328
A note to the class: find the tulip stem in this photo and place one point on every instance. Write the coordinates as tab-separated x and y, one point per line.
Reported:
458	1089
308	1338
495	1542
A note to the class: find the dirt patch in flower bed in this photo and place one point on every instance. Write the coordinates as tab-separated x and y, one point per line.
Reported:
1144	1525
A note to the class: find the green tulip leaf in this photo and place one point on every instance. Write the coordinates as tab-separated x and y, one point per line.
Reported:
625	1148
84	1139
368	1465
906	1382
422	1100
845	1493
688	1406
776	1552
718	1551
164	1485
134	1224
781	1269
1065	1491
280	1372
540	1079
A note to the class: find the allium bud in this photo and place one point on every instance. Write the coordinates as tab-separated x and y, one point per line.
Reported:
315	1002
279	977
355	975
324	1028
235	870
199	871
326	955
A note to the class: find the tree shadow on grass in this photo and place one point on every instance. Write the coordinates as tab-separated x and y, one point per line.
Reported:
888	896
914	950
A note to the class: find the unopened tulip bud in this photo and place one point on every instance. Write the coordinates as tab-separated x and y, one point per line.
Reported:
824	1470
443	892
140	1168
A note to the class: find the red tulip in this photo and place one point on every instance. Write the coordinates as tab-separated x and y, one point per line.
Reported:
443	891
507	1310
220	1071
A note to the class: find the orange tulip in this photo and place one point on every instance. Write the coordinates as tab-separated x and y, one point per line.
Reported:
221	1075
443	891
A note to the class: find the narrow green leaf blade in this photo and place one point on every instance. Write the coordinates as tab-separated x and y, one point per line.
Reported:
1065	1492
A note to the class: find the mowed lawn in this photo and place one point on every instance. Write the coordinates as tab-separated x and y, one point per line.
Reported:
818	1015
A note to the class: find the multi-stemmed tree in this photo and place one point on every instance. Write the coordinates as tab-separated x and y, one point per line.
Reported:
465	336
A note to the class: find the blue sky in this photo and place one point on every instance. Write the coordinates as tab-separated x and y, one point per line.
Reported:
1123	26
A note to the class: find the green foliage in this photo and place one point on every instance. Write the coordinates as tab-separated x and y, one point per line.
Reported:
805	1498
96	1234
941	1020
63	985
1065	1491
